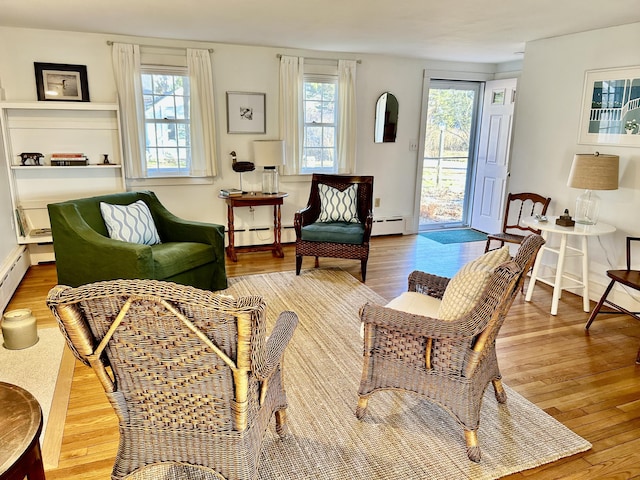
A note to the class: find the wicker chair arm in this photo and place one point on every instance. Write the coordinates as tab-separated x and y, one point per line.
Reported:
264	365
427	283
419	325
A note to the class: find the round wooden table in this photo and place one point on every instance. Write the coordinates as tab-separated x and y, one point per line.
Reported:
20	427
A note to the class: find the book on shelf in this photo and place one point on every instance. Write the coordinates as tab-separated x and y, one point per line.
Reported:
230	192
23	226
69	159
40	232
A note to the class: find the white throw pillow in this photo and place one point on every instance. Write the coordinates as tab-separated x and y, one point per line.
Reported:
465	288
338	206
131	223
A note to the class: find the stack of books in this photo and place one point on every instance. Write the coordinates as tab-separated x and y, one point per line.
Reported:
69	159
230	192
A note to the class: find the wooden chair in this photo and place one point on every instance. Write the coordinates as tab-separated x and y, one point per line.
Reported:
337	239
191	375
519	205
629	278
450	363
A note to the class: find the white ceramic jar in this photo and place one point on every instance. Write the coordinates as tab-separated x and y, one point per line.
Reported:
19	329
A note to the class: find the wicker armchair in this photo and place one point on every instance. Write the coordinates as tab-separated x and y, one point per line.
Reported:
335	239
192	376
449	362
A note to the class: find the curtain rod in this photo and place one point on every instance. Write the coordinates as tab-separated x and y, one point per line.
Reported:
110	43
279	55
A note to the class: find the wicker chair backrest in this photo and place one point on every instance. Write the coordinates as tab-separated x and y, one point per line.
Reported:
174	351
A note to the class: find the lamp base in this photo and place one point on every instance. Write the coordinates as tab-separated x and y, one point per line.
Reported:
270	180
587	208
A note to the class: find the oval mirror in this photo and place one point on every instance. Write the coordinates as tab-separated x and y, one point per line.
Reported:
386	118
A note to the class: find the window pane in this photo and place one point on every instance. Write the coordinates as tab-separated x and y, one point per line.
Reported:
163	84
313	137
328	137
166	101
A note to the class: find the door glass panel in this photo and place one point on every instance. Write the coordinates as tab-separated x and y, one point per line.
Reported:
448	154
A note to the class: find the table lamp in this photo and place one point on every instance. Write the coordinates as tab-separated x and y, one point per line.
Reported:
592	172
269	154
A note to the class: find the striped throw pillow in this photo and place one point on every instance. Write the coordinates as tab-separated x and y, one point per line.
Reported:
131	223
338	206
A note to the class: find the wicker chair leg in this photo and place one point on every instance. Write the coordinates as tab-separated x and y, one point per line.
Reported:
281	423
501	395
363	269
298	264
317	262
638	357
473	449
361	409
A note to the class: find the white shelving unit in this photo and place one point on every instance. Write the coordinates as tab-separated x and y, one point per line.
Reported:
58	127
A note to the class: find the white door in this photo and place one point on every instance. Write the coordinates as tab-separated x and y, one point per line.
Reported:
492	167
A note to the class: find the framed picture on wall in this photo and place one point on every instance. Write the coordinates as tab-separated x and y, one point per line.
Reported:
246	112
61	82
611	107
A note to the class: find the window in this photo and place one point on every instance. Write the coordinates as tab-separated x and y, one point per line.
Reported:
320	124
167	121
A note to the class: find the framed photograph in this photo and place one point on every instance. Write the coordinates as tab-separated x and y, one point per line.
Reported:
61	82
246	112
611	107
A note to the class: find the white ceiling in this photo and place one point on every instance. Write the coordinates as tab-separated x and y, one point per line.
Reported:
487	31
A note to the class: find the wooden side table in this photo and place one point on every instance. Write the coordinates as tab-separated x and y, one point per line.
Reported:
255	199
20	427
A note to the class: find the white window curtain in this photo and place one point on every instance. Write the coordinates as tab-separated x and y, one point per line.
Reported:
203	124
347	116
126	68
291	115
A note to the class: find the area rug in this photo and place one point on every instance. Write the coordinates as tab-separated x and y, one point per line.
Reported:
460	235
41	371
402	435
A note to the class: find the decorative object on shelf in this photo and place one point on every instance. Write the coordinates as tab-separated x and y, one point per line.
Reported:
61	82
105	159
240	167
609	105
565	219
592	172
32	157
69	160
246	112
270	155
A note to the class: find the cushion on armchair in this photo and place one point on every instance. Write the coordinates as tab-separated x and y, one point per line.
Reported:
466	286
462	293
334	232
130	223
338	206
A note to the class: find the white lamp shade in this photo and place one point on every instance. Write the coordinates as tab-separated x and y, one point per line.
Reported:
268	153
594	171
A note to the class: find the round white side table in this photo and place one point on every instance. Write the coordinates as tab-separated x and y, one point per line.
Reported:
564	250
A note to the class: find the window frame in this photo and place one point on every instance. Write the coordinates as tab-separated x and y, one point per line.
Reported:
178	123
325	78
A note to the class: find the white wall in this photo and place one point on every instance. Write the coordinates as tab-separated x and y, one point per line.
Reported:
549	105
250	69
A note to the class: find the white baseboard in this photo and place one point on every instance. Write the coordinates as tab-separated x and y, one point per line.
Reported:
11	273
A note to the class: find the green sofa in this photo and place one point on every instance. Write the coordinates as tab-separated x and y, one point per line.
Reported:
191	253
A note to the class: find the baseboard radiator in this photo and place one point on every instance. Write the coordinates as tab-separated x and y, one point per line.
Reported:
11	273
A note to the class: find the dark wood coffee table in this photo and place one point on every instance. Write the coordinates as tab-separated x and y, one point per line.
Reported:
20	427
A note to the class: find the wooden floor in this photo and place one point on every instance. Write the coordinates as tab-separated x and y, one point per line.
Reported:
588	381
